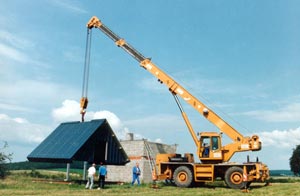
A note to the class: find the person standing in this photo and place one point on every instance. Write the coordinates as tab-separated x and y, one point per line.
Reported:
136	172
91	175
102	175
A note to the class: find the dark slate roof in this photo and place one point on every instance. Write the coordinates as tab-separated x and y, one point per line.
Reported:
92	141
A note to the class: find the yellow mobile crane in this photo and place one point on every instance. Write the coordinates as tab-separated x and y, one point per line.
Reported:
214	157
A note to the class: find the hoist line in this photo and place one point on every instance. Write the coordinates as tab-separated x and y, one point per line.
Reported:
87	63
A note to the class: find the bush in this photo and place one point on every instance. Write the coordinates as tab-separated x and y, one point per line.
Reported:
295	161
4	157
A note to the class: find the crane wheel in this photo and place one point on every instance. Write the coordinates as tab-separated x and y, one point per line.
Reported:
183	176
234	178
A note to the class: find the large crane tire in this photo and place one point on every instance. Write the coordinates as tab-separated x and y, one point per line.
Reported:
183	176
234	178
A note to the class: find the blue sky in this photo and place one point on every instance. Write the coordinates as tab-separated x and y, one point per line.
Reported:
241	58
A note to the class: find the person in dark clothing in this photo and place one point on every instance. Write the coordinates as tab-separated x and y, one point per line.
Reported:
102	175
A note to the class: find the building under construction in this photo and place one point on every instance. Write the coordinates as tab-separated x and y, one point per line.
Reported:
141	151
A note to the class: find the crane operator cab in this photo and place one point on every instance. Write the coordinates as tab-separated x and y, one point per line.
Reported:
210	147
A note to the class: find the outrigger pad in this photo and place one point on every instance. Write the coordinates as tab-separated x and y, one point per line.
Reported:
92	141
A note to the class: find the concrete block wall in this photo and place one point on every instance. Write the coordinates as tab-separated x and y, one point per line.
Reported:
137	152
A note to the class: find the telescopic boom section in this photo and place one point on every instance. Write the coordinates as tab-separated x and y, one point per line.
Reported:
173	86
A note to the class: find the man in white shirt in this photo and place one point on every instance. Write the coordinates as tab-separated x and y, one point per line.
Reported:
91	175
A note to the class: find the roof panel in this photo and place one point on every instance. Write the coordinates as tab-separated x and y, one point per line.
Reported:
82	141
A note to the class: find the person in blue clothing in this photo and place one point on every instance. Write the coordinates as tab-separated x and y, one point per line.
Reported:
102	175
136	172
206	150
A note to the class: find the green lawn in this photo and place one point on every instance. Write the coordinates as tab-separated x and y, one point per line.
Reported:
45	183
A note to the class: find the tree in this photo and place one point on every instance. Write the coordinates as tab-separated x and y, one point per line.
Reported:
295	161
4	157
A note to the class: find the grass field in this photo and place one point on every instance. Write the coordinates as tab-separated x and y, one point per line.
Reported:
44	183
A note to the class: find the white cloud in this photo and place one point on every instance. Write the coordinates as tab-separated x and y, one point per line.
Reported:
21	135
19	52
69	5
69	111
35	92
12	53
15	47
288	113
286	139
112	119
22	58
20	130
13	107
15	41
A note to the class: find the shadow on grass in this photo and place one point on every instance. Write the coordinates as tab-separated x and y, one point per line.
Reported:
285	180
215	185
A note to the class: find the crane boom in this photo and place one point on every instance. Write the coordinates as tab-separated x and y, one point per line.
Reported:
164	78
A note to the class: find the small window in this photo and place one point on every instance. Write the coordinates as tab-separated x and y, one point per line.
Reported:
215	143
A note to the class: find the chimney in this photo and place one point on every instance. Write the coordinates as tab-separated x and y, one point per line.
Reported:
129	136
